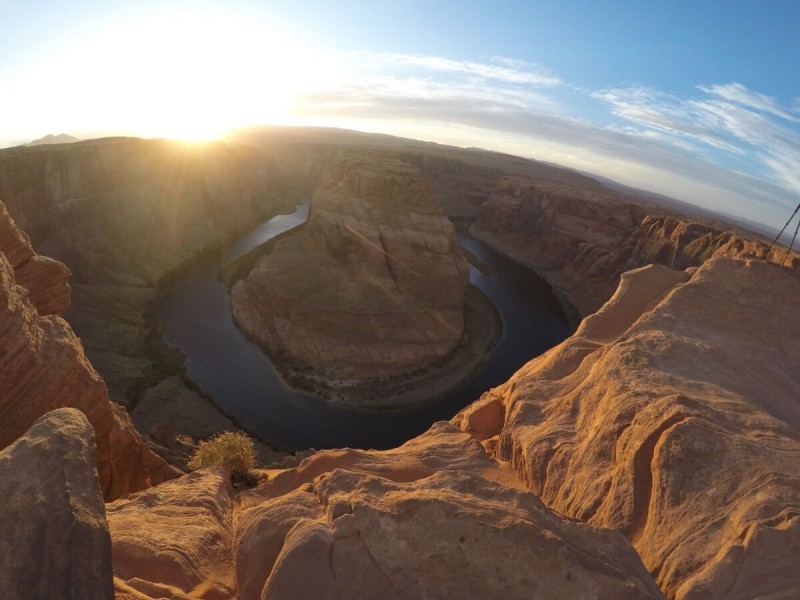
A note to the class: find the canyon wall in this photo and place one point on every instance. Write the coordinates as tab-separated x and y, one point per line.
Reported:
462	178
372	287
124	214
42	367
582	240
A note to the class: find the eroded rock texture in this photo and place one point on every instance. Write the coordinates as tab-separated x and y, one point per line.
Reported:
46	280
373	287
435	518
175	540
55	541
672	416
42	367
581	240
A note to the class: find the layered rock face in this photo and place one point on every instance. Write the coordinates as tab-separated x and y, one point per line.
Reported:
672	416
582	240
550	227
42	367
55	541
46	280
426	520
373	287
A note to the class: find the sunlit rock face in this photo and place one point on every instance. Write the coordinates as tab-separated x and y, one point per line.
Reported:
672	416
435	518
373	287
42	367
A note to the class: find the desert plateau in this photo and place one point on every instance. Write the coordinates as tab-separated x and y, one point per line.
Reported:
466	317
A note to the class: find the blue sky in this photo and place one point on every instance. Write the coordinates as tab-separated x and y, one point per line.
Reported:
698	100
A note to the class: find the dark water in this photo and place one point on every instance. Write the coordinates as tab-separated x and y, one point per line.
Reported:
197	320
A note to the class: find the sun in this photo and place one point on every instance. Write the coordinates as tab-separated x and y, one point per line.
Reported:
181	76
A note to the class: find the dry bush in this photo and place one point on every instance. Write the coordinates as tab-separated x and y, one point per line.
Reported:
233	451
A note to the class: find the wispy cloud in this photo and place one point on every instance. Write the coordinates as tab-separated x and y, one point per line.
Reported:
502	70
419	89
726	147
736	92
665	113
730	118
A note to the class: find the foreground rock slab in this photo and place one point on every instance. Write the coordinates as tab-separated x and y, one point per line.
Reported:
55	541
451	535
430	519
175	540
672	416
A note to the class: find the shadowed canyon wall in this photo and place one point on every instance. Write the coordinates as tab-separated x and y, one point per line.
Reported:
582	240
123	214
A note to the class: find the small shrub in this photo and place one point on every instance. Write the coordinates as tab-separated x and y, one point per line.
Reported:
233	451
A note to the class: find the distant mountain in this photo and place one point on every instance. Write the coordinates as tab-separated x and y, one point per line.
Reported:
61	138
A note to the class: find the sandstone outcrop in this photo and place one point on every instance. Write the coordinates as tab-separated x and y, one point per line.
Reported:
672	416
46	280
175	540
373	286
427	520
42	367
55	541
581	240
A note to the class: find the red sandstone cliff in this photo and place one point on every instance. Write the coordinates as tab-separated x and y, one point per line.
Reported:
42	367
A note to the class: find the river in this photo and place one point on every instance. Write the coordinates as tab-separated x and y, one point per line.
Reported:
197	320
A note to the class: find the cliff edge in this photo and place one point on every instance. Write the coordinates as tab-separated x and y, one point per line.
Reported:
42	367
672	416
581	240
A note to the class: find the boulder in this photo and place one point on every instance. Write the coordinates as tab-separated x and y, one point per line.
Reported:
55	541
